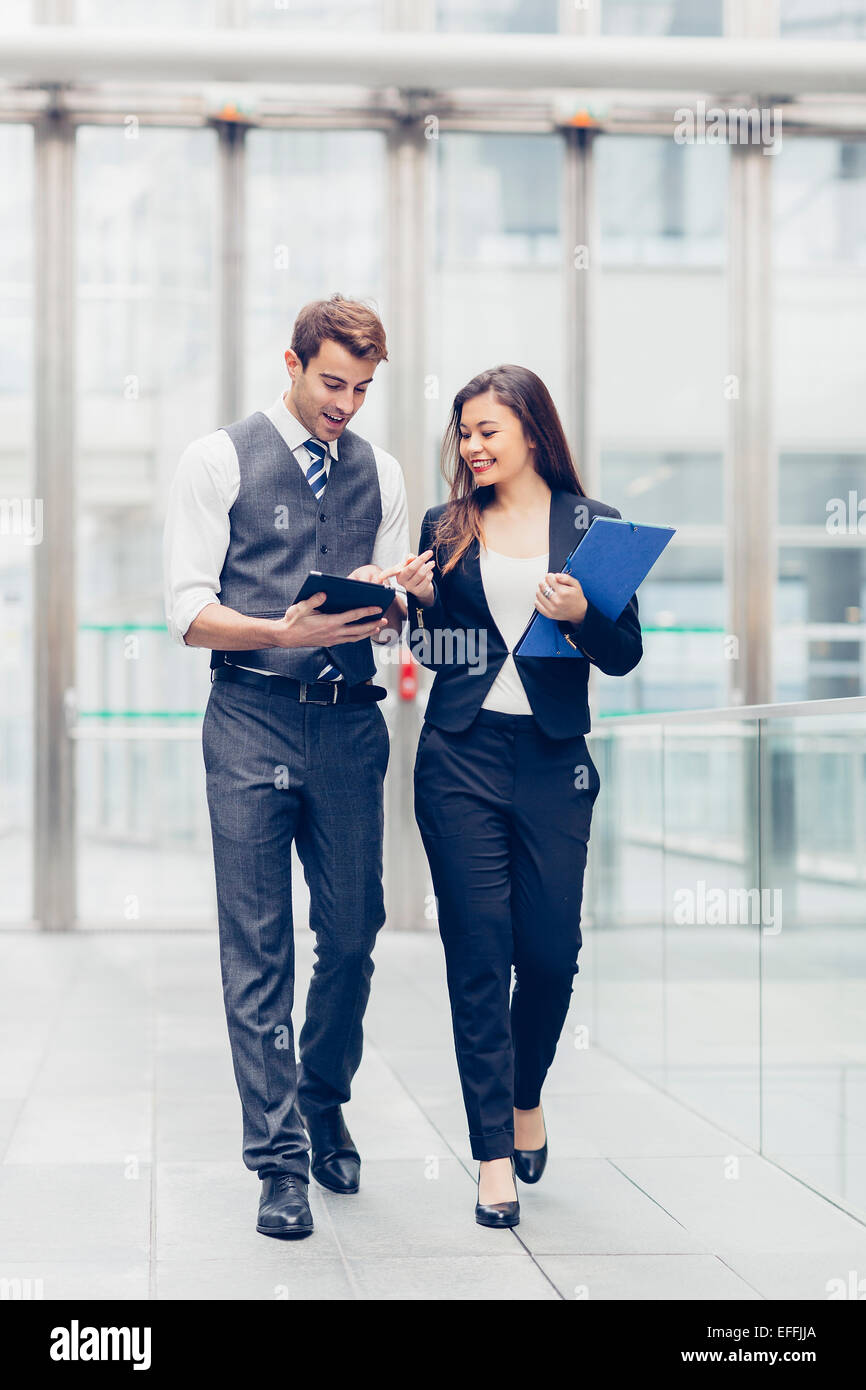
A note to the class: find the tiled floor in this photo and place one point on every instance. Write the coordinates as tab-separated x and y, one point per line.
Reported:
122	1175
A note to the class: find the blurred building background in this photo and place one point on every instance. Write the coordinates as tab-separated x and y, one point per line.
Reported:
698	311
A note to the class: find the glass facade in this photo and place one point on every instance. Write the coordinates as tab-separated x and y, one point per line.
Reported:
813	971
184	14
819	330
659	363
147	335
725	901
306	240
822	19
312	14
498	16
663	18
797	19
495	288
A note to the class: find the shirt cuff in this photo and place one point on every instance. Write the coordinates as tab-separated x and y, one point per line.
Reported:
185	613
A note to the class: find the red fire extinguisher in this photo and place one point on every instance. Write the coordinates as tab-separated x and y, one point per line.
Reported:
408	675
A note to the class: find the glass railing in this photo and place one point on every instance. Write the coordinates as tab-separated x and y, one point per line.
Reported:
725	907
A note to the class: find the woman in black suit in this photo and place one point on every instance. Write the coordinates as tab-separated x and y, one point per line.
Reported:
504	784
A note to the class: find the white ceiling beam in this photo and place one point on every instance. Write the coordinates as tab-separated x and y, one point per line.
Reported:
773	67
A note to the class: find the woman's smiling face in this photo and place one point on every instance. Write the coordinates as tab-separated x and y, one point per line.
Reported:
492	442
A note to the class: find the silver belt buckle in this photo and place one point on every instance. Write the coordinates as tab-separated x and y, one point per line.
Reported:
305	700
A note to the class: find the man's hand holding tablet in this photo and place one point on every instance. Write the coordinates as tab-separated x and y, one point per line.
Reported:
342	610
395	612
325	617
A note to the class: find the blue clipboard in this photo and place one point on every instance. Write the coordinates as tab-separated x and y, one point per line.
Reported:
610	562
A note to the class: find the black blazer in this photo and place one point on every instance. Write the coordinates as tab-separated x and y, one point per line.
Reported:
556	687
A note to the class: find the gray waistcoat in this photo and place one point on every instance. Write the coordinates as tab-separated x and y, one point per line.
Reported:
279	532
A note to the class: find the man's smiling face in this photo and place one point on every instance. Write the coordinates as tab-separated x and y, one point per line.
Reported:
330	391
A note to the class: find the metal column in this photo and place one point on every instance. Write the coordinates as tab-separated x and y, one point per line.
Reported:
752	465
750	503
581	249
232	203
406	872
231	261
54	614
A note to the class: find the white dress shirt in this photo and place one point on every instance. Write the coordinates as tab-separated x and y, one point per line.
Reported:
203	491
510	583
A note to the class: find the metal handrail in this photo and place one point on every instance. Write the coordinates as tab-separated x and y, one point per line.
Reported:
854	704
153	733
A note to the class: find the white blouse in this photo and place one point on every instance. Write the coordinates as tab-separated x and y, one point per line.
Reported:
510	583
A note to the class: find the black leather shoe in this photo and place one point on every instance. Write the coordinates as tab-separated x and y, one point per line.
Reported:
529	1164
497	1213
283	1207
334	1160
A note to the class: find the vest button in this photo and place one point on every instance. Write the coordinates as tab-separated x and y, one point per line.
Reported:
322	516
324	550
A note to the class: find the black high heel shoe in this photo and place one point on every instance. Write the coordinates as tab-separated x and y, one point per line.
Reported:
529	1164
497	1213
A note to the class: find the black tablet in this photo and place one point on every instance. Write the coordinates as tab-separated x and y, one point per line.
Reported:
345	594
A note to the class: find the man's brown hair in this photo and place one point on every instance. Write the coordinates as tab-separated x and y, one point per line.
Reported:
346	321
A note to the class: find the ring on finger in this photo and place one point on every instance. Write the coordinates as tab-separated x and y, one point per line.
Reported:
546	590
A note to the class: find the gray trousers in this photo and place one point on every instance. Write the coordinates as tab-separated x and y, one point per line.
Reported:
279	771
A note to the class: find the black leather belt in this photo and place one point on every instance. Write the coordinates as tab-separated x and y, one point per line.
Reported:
305	692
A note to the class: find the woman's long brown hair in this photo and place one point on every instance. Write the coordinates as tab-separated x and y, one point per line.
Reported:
526	394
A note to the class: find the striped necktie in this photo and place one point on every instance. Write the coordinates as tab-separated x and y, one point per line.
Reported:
317	477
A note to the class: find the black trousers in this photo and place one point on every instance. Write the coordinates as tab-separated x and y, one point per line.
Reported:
504	813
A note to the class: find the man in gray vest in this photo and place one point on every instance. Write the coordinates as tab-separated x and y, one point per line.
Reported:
295	745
